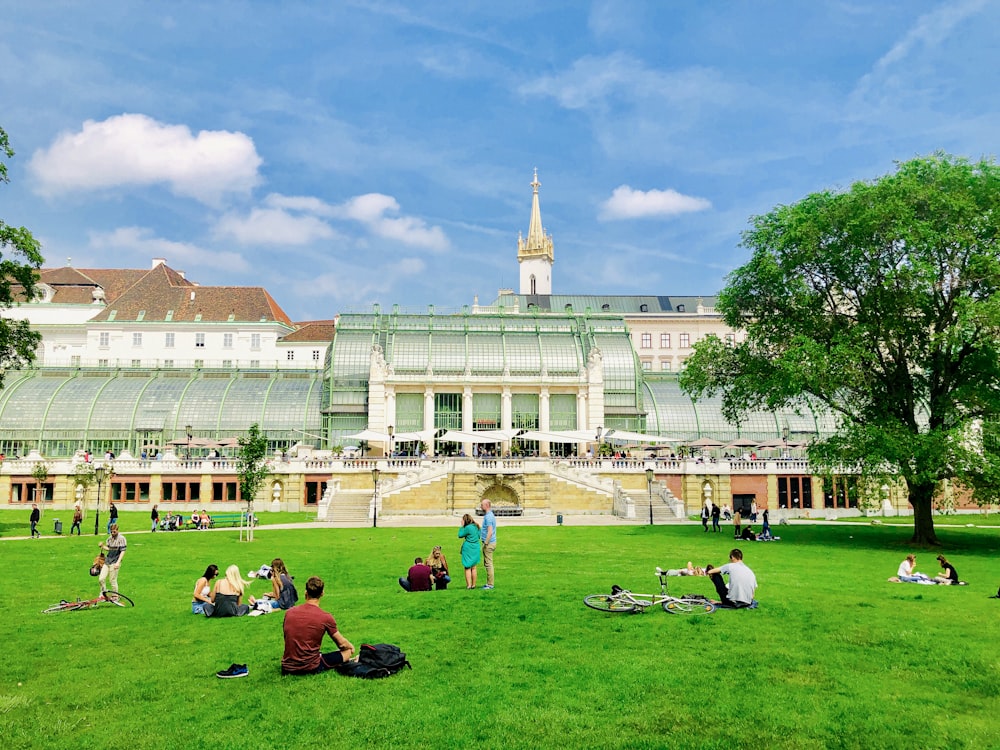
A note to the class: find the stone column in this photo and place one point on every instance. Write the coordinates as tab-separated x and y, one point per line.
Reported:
543	419
467	425
429	416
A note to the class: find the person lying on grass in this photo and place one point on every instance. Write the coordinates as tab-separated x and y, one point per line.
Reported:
690	570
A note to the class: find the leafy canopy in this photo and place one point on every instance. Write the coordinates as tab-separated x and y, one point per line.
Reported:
20	259
879	303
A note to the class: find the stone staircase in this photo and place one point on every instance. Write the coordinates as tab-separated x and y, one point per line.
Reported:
346	506
664	512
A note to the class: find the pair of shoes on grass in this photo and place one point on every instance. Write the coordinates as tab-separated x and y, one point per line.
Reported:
235	670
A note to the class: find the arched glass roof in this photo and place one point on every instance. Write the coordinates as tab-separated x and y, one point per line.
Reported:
671	412
59	411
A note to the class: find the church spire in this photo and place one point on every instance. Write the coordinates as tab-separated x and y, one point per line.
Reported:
534	252
537	244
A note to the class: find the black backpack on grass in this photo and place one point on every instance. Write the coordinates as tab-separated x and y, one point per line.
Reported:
374	661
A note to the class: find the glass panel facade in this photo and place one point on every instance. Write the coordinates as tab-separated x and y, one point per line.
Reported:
126	409
524	411
448	410
448	352
409	412
486	411
562	411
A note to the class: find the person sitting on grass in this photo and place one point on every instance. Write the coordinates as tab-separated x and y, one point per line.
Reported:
304	628
418	577
203	590
282	586
748	534
226	599
742	582
907	572
950	576
439	568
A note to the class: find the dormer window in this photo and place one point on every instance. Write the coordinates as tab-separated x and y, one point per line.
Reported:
680	308
141	315
643	307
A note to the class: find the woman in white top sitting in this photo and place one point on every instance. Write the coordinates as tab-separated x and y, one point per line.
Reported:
907	572
203	590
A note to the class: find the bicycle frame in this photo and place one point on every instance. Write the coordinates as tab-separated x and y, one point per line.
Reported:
623	600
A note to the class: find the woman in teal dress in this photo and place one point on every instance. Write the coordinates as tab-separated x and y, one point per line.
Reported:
470	549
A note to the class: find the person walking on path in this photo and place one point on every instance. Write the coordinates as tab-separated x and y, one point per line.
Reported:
36	516
114	552
489	541
304	628
154	518
705	515
716	512
77	520
112	517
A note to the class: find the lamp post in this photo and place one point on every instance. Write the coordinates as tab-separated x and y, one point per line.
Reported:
187	429
649	487
375	476
597	439
99	476
784	439
391	452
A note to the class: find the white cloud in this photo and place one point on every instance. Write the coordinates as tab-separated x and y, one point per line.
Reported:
273	226
133	149
592	81
140	241
373	211
626	203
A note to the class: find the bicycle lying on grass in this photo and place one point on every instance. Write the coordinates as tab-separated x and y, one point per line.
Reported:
108	599
622	600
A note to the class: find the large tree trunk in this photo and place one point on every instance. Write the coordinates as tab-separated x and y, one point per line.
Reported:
922	500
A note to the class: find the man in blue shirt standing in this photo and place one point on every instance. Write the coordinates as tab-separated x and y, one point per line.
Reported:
489	541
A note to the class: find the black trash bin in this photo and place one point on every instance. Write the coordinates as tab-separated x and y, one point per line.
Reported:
58	528
559	519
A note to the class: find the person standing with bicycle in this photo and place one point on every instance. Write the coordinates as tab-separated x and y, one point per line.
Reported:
114	553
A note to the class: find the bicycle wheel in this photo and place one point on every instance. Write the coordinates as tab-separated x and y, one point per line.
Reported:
62	607
117	600
608	603
688	607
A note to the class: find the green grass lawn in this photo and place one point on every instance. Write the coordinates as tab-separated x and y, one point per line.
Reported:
834	657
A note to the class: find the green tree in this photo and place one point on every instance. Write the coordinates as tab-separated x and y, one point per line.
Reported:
880	303
252	467
20	259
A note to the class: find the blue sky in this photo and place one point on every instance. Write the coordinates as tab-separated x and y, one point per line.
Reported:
342	153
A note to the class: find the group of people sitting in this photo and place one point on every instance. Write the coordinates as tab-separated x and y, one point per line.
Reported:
173	522
223	597
423	573
201	520
908	573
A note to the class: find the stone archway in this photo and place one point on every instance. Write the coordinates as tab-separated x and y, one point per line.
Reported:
500	491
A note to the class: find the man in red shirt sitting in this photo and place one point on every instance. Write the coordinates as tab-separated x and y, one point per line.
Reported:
304	628
418	577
